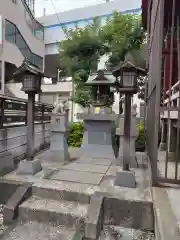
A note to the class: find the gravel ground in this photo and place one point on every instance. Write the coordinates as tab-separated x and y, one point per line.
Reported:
120	233
38	231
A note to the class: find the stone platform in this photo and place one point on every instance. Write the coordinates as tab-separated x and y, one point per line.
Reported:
74	194
97	174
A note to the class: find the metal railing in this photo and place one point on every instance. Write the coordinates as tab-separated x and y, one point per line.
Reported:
162	120
13	112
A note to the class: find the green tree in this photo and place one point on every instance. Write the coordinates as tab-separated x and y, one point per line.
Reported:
82	49
123	34
79	55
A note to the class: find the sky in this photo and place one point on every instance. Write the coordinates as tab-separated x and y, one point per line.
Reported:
53	6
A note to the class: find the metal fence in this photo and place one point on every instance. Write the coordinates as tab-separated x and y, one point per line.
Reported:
163	91
13	112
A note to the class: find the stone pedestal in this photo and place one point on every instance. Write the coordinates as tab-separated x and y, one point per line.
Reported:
58	141
125	179
97	138
29	167
133	159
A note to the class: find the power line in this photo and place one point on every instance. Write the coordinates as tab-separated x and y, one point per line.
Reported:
58	18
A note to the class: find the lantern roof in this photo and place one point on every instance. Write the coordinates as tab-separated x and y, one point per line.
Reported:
128	66
28	67
101	78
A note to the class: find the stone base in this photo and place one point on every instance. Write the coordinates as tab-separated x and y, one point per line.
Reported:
97	152
56	156
162	146
125	179
97	138
29	167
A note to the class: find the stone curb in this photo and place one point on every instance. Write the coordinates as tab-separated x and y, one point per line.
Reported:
94	221
10	211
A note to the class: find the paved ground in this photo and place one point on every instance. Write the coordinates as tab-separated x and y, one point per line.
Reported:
38	231
172	192
88	175
120	233
82	176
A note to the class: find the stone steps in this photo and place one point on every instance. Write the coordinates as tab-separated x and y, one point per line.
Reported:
66	192
64	213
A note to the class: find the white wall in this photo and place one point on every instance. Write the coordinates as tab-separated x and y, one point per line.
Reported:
15	88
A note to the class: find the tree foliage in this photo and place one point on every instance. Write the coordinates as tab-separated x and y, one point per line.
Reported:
122	33
81	50
79	55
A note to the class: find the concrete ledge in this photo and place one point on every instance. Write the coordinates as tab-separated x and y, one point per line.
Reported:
7	189
61	192
128	213
166	225
94	221
10	211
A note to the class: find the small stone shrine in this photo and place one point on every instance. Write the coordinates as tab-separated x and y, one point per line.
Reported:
99	121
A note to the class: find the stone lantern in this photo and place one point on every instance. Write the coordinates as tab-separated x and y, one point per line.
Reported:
30	76
127	73
99	121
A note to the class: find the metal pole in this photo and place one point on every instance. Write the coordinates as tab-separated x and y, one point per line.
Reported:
30	126
127	131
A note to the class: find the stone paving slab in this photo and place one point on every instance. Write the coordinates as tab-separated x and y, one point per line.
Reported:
94	161
78	176
87	182
113	170
86	167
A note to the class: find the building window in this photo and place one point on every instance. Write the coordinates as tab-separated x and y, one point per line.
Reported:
13	35
10	32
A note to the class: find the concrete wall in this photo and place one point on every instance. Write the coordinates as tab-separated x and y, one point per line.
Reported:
14	139
55	88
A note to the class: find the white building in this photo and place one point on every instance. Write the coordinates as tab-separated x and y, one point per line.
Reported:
21	37
53	34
